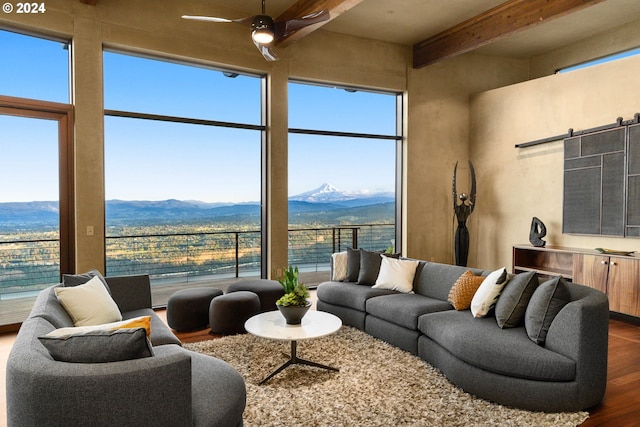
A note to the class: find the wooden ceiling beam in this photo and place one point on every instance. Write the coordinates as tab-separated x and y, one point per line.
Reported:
494	24
305	7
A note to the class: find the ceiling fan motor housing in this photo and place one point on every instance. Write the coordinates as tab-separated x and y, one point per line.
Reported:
262	22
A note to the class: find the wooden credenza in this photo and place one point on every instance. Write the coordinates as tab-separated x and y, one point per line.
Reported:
617	276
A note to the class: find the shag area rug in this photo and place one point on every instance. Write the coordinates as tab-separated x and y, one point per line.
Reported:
377	385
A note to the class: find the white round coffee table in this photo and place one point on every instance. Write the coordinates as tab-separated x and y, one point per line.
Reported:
315	324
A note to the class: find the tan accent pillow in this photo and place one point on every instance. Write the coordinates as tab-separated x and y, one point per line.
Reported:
136	322
464	289
89	303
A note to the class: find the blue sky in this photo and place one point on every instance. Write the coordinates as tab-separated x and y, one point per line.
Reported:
151	160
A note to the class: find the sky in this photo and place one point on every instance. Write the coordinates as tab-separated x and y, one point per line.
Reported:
153	160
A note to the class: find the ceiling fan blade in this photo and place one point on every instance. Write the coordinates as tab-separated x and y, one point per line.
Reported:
284	28
243	21
266	51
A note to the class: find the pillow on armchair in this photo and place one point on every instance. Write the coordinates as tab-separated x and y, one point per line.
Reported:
89	303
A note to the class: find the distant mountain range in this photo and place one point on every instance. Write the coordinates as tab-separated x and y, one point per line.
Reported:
321	200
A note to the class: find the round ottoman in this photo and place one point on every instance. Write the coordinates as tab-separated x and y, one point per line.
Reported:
228	312
188	309
268	291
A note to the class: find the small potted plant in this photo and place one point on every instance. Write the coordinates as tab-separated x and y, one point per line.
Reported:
293	305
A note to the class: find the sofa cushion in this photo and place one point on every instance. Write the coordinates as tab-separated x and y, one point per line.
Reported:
481	343
339	266
89	303
514	299
49	308
546	302
136	322
353	264
435	280
69	280
99	346
160	333
369	267
487	294
348	294
396	274
464	289
404	309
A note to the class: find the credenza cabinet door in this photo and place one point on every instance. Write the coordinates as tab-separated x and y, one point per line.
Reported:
624	286
591	270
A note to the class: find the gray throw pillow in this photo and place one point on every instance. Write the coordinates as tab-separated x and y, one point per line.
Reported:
353	264
80	279
513	301
546	302
100	346
369	267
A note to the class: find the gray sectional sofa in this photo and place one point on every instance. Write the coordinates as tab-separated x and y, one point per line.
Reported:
567	373
174	387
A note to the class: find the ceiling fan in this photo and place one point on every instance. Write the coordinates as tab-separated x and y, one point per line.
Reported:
265	31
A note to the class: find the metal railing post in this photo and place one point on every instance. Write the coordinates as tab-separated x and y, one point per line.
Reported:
237	255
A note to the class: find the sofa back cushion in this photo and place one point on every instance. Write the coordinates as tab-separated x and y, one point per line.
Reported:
49	308
435	280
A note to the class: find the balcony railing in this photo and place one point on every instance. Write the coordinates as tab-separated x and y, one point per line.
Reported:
30	265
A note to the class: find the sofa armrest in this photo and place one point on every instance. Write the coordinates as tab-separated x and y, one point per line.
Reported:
130	292
580	331
150	391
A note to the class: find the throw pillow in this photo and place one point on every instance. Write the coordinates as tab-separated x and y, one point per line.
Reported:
99	346
464	289
514	299
488	292
136	322
369	267
353	264
79	279
546	302
339	263
396	274
89	304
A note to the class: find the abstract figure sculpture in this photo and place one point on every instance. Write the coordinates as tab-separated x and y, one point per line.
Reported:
462	211
538	231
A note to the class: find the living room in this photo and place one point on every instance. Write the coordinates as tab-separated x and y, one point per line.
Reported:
475	106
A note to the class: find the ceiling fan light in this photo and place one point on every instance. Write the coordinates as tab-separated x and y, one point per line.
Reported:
262	26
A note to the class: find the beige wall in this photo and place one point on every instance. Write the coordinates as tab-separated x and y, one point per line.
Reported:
438	136
517	184
145	27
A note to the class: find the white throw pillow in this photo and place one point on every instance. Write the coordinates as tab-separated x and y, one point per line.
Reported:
136	322
396	274
339	266
488	293
89	303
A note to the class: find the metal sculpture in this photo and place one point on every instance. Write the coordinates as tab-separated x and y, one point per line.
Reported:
462	212
538	231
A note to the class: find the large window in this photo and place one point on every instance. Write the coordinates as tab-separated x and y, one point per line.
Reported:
344	146
35	135
182	171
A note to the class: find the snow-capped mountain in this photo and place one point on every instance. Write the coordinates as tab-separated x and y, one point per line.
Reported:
327	193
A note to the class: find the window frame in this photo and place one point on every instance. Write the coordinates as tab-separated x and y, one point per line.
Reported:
398	137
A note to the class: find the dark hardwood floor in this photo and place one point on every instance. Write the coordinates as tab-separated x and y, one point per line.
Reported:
621	405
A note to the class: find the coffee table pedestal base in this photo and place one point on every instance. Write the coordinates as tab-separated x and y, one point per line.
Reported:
295	360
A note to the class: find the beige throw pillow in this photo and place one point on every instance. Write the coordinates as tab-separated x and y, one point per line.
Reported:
339	266
396	274
89	304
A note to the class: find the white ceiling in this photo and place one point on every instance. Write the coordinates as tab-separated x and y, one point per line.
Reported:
410	21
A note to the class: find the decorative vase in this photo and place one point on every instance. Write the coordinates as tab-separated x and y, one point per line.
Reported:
293	314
